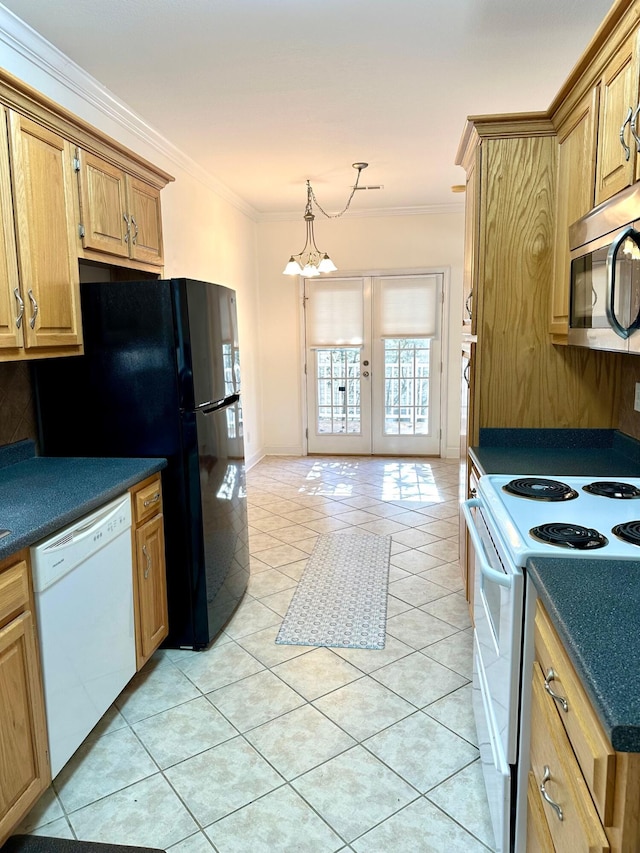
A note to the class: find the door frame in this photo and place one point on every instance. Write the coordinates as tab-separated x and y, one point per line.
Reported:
445	272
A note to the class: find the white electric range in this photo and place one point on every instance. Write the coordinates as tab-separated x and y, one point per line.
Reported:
514	518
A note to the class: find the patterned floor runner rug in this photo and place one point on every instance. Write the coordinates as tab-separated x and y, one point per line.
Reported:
341	599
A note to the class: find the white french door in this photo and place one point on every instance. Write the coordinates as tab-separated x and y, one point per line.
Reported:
373	364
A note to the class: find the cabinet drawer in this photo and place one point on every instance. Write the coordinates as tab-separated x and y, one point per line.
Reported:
147	500
14	590
552	757
595	754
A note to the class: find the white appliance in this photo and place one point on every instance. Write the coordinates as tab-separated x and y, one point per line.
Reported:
514	518
83	585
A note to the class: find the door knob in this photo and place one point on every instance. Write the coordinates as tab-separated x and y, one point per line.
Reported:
366	373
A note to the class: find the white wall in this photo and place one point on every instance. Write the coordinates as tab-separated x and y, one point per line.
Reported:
362	243
205	236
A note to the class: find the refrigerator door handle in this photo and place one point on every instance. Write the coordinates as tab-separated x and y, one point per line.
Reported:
209	408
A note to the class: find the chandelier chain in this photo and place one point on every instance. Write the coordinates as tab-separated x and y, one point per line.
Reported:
346	207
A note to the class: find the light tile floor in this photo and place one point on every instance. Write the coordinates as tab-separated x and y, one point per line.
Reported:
253	746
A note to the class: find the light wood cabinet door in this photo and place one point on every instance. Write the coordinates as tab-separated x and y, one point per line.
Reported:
45	219
575	195
120	214
24	765
615	168
103	206
146	222
151	588
11	318
573	822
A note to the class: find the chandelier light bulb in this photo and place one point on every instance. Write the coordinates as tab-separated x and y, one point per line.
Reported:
293	267
326	264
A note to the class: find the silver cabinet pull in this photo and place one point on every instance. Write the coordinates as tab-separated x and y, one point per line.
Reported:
147	556
634	131
153	500
135	233
627	150
550	676
468	304
555	806
126	233
466	373
16	293
34	306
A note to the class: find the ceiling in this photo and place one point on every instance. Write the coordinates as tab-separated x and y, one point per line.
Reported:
264	94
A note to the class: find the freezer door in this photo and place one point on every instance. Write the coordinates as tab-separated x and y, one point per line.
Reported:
210	341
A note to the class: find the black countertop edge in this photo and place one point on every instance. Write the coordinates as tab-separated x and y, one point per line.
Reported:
594	606
41	495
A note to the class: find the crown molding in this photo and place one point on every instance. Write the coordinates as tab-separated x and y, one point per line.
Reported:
29	44
422	210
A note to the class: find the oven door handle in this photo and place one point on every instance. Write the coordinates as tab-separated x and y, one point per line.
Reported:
485	568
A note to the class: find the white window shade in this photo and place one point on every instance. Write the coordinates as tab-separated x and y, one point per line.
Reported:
335	312
407	307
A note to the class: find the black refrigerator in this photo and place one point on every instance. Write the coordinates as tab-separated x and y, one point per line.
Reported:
161	377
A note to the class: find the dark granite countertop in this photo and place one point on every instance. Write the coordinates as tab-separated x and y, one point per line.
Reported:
39	495
595	605
582	452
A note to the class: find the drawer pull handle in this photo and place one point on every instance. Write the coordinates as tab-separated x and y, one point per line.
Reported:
546	778
559	699
153	500
147	555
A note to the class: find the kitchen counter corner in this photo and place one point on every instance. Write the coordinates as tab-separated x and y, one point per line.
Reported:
594	606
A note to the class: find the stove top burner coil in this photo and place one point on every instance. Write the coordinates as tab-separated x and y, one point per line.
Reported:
539	489
610	489
629	531
566	535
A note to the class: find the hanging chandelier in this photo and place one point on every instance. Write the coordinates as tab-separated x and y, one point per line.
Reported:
312	261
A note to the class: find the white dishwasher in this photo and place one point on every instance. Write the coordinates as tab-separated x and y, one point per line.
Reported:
83	585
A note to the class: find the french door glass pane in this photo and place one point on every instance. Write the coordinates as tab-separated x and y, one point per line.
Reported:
338	391
406	389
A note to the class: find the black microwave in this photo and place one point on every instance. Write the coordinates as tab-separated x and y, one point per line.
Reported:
604	308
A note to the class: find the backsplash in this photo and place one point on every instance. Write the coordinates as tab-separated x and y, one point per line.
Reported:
17	417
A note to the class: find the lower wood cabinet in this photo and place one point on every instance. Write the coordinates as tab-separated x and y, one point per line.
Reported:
583	795
149	571
24	752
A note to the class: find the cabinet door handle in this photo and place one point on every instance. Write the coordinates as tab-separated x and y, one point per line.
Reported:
634	132
468	303
34	305
466	372
550	676
147	556
16	293
126	233
555	806
153	500
135	233
627	150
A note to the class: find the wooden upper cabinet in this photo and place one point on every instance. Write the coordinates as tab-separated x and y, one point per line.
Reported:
44	210
470	279
575	196
120	214
10	297
619	100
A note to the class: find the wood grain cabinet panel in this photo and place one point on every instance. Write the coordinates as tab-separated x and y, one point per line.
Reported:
24	755
44	313
120	214
619	91
10	296
150	575
574	198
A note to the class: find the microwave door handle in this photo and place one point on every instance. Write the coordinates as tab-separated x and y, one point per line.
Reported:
485	569
615	324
